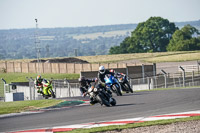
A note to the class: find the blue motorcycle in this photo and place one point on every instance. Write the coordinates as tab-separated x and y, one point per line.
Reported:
113	84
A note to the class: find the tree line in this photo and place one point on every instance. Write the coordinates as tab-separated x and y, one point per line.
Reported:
159	35
154	35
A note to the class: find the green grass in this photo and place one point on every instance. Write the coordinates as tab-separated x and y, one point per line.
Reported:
20	106
21	77
133	125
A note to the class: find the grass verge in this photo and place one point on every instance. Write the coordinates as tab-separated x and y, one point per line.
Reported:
20	106
132	125
21	77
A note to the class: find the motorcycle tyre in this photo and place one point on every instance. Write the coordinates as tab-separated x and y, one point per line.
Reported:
113	103
124	88
103	101
46	97
128	87
52	93
117	90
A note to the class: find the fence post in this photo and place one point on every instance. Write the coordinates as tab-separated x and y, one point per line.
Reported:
28	67
13	67
154	69
156	84
198	63
4	88
6	66
183	75
193	78
165	76
174	80
21	67
143	73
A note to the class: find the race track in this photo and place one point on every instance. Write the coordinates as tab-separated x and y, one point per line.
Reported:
138	104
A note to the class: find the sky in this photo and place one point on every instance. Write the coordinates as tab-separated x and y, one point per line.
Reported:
18	14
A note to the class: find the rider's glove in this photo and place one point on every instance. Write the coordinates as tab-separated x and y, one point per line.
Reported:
84	94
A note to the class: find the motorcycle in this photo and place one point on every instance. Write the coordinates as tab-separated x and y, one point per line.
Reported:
48	86
113	84
99	95
124	83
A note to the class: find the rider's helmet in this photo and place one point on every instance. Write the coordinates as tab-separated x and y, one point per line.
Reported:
81	79
102	70
112	70
39	78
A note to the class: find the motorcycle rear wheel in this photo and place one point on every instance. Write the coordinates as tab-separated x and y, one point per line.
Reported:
113	103
128	87
103	101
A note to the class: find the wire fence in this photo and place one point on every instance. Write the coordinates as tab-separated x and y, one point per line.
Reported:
166	81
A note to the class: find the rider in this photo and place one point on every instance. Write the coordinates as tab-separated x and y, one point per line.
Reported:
84	83
117	74
38	84
101	75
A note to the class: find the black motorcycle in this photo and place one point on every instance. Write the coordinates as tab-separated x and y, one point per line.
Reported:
125	83
99	95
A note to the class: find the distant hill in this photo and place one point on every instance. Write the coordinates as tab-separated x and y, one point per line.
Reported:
192	23
66	42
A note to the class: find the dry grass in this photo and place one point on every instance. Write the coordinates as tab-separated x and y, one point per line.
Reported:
144	57
175	58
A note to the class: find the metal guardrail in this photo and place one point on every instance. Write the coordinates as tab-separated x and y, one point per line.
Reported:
166	81
189	68
63	88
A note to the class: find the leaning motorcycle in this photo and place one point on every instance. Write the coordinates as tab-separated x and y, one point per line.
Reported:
99	95
112	83
47	86
125	83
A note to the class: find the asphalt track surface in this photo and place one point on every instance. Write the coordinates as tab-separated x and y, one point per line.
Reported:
138	104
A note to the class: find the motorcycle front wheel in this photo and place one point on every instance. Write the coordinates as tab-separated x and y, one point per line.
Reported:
52	93
117	90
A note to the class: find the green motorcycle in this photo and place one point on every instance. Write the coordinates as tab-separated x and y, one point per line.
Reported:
48	89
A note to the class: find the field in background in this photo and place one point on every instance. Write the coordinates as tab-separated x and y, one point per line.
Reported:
156	57
103	34
145	57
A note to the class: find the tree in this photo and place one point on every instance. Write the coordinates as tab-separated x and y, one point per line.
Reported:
185	40
154	34
150	36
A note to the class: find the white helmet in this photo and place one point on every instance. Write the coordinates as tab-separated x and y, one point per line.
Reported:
102	69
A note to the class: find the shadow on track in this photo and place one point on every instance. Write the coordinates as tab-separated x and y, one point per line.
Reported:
138	93
130	104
